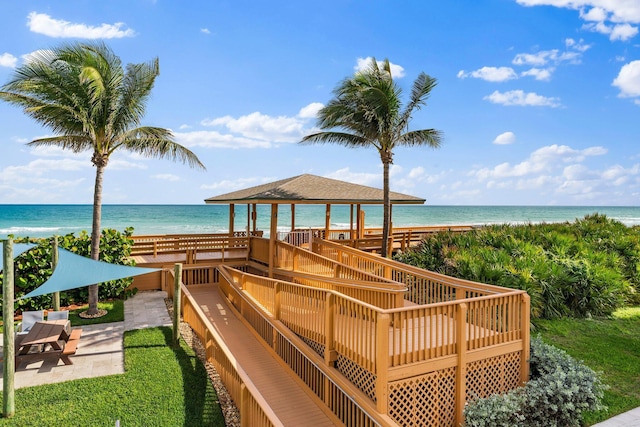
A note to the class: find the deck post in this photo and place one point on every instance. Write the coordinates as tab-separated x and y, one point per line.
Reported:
273	231
329	327
526	338
176	304
8	367
276	301
382	362
244	406
461	374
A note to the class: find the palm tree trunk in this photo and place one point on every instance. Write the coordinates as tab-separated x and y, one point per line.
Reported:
387	207
96	232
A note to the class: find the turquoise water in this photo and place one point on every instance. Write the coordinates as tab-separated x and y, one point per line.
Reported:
48	220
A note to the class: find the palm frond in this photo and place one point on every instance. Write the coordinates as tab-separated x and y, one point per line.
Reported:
429	137
158	143
341	138
75	143
420	91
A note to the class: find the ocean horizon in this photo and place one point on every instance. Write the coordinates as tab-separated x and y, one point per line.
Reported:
48	220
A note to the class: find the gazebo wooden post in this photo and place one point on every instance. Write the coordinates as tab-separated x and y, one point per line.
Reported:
360	221
272	237
293	216
248	219
232	215
327	221
254	217
351	222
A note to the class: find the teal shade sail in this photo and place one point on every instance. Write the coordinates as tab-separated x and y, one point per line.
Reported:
18	248
75	271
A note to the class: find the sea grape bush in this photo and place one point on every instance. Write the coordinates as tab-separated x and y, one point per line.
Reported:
586	268
33	268
559	391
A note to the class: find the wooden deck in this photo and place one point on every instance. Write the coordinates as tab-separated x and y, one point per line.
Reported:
286	397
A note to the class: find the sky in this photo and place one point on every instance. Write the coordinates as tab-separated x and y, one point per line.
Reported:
538	100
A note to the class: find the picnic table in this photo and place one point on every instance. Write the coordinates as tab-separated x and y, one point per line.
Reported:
51	339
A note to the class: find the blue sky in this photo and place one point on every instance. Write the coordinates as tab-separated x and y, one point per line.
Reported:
538	100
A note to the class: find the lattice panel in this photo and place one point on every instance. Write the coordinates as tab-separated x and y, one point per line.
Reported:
427	400
495	375
315	346
360	377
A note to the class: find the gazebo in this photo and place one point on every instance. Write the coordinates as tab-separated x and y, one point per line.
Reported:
308	189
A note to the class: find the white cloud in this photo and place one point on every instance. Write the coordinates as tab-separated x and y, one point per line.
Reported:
545	57
544	159
226	185
416	173
628	80
520	98
362	178
44	24
491	74
614	18
539	73
215	139
8	60
397	72
205	31
310	111
119	164
253	130
505	138
166	177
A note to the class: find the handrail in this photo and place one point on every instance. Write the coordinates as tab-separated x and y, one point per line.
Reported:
397	270
246	382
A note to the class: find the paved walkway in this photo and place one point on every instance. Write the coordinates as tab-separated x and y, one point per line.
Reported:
628	419
100	351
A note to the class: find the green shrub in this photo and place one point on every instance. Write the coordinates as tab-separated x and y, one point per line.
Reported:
587	268
559	391
33	268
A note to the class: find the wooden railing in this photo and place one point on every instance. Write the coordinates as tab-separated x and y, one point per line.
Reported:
292	316
423	286
254	410
184	243
293	258
476	347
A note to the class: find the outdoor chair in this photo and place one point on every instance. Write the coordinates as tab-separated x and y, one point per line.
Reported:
58	315
29	318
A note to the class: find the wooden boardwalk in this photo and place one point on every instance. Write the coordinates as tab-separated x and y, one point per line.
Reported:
287	398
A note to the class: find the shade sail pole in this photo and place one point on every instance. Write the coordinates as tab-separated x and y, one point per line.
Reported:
9	350
54	264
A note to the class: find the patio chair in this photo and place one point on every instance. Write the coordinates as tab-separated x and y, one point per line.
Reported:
58	315
29	318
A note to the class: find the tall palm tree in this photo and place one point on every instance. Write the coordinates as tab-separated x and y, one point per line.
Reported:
367	111
83	94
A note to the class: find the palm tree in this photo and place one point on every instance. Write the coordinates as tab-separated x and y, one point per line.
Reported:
83	94
367	111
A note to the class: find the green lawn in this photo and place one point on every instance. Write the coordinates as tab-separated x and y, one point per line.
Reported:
161	386
610	346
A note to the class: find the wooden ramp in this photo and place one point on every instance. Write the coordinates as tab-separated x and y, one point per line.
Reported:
182	257
287	398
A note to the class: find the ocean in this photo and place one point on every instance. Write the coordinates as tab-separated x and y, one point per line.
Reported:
49	220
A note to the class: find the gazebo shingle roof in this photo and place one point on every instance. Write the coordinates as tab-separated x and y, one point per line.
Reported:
311	189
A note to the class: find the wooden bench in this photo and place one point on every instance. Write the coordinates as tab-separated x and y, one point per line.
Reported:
71	346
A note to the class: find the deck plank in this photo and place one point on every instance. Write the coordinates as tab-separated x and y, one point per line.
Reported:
287	399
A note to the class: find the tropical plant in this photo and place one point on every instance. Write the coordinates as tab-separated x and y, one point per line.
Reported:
34	267
367	111
92	103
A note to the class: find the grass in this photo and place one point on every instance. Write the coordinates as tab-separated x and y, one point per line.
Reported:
115	313
610	346
161	386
